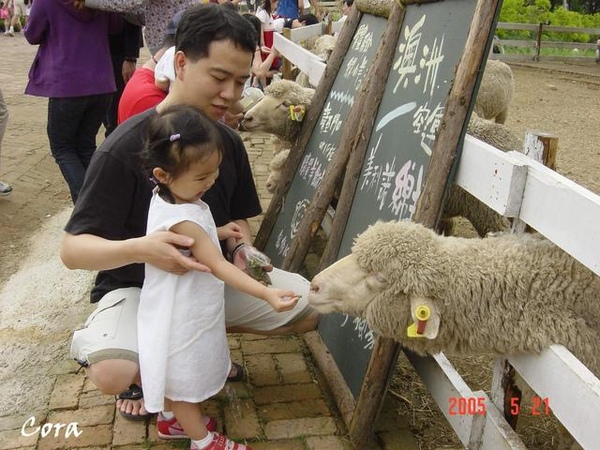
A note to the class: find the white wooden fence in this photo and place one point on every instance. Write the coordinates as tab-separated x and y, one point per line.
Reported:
515	186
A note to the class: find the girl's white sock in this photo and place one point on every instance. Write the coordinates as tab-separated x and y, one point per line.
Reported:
168	414
204	443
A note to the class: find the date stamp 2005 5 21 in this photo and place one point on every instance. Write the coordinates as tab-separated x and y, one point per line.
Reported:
471	406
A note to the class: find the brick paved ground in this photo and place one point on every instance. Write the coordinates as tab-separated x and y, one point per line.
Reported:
284	404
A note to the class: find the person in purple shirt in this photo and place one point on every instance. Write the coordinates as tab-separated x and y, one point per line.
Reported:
73	69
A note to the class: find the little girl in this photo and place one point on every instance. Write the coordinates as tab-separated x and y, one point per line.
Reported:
184	357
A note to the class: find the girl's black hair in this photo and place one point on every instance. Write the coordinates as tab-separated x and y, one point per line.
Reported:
176	138
267	6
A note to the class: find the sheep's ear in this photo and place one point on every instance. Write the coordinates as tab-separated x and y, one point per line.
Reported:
426	319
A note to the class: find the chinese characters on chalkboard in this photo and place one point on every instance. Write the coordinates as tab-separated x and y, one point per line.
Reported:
326	135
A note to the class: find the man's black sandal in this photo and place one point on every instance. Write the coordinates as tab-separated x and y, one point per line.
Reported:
133	393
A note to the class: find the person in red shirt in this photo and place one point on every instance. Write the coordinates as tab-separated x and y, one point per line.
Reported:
141	93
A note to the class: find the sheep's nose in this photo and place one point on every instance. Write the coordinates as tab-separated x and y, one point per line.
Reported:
270	187
314	288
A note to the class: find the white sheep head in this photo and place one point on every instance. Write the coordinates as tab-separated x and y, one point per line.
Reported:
376	281
272	113
503	294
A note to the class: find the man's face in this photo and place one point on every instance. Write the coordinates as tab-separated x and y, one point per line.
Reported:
214	83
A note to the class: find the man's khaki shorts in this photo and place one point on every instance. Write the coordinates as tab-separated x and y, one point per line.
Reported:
110	332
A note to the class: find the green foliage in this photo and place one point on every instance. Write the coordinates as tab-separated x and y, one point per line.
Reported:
542	11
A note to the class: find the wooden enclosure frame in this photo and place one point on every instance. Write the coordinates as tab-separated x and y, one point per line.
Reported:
360	414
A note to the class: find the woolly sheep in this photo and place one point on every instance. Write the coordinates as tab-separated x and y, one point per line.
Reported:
495	92
272	113
323	47
506	294
275	168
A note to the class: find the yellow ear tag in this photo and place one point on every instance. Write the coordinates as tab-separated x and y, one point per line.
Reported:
426	320
418	328
297	113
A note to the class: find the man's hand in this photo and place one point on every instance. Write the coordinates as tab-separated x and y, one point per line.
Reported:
165	250
253	262
79	4
230	230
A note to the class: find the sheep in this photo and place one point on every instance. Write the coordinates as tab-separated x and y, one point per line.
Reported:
506	294
324	46
275	167
495	91
272	113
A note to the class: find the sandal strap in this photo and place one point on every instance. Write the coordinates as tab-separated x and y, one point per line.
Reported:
133	393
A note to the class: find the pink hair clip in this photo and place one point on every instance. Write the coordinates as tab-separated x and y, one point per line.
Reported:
174	137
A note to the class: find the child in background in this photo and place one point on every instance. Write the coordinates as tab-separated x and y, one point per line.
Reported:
164	72
183	351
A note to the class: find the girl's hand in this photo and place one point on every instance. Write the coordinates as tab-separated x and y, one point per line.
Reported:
280	299
231	230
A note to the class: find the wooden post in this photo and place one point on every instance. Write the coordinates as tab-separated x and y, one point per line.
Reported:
538	42
286	70
541	147
445	156
504	393
430	203
310	121
353	140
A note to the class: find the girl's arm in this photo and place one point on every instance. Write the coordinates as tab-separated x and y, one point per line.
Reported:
208	254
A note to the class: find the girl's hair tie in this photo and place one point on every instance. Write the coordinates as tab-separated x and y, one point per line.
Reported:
174	137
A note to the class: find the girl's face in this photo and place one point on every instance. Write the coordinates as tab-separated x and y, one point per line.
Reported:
192	184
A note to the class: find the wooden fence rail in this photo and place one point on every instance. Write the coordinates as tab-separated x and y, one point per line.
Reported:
536	43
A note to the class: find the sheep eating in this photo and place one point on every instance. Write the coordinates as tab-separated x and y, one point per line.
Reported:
506	294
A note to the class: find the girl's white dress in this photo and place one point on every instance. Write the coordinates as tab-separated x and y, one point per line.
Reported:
181	321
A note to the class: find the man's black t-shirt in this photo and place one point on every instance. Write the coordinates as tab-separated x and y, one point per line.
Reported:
115	197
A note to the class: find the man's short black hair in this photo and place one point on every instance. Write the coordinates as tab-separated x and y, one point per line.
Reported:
201	25
349	2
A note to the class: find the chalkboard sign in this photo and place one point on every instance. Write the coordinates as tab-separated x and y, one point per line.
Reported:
325	138
431	43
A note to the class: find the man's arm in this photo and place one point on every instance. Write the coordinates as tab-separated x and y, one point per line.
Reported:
90	252
125	6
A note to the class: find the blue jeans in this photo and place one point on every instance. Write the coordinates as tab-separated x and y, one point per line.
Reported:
73	123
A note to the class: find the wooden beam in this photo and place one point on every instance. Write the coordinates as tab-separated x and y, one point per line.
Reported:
353	140
310	121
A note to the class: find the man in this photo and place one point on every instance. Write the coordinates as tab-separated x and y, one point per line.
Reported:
106	232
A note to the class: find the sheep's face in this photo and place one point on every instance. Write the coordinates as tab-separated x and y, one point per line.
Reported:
268	115
275	168
344	287
273	181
